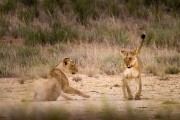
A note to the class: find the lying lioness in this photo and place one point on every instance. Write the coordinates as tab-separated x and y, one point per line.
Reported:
57	83
133	67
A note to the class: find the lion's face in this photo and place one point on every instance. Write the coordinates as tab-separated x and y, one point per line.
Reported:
129	57
70	66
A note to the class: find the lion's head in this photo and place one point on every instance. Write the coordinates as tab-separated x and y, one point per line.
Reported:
129	57
70	66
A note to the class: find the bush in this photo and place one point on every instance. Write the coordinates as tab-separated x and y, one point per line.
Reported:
172	70
7	6
3	26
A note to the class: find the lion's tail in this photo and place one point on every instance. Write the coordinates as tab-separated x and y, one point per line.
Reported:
142	37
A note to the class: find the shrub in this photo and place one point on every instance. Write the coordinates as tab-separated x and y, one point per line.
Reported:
3	26
7	6
172	70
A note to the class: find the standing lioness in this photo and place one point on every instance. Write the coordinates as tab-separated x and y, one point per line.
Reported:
133	67
57	83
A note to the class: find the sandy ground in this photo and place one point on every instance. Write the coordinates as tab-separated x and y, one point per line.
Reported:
157	95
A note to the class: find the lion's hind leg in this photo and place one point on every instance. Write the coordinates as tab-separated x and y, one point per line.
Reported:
70	90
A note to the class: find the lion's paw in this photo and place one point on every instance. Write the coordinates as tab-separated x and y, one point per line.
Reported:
137	97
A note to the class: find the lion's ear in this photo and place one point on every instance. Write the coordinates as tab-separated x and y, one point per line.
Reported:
66	60
122	52
134	52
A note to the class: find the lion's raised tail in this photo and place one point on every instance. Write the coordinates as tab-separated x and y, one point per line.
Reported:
142	37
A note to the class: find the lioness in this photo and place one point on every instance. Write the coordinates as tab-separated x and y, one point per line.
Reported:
133	67
57	83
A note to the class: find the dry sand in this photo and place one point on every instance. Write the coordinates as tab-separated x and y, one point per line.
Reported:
157	95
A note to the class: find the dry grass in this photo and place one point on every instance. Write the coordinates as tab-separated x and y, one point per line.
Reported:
40	33
92	59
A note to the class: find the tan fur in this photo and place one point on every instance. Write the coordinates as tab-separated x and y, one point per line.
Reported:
57	83
132	70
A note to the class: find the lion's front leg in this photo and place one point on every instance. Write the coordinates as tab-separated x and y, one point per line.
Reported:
139	88
65	96
71	90
125	87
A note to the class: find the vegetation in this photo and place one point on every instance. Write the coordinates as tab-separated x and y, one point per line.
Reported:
172	70
85	15
41	28
105	113
36	34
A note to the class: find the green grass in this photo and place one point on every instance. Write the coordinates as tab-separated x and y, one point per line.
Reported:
3	26
29	2
27	15
41	17
164	34
56	35
7	6
137	9
37	23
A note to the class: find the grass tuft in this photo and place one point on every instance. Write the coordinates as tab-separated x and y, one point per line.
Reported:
172	70
27	15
